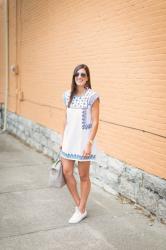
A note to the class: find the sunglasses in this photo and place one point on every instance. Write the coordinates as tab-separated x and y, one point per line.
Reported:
83	75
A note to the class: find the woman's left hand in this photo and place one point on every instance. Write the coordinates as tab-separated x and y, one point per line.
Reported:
87	150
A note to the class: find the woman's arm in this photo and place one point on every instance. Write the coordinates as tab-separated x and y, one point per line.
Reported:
95	123
63	126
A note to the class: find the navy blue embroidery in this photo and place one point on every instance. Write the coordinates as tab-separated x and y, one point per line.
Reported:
84	124
81	101
77	157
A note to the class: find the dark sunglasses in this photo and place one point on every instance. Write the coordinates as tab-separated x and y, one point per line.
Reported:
83	75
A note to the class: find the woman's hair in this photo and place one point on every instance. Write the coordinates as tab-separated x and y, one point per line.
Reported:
73	84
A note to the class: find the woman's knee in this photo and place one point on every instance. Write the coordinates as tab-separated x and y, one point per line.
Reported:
68	166
84	177
68	173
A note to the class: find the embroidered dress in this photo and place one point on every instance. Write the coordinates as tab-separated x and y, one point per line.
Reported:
78	126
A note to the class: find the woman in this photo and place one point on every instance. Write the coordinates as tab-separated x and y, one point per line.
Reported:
80	128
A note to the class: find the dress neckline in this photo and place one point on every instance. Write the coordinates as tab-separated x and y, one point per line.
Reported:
87	89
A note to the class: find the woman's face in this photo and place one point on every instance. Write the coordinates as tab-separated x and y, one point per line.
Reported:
81	77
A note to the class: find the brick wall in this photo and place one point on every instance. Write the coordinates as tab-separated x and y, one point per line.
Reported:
1	55
12	102
123	43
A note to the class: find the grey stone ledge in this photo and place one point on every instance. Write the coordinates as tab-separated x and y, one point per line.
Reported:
113	175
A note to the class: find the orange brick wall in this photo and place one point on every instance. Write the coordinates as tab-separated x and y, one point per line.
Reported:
12	55
123	43
1	54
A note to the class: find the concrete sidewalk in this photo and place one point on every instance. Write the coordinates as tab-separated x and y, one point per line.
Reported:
35	217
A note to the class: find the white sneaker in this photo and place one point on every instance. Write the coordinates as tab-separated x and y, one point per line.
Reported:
77	216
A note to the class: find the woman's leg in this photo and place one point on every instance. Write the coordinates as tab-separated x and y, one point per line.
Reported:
85	183
68	167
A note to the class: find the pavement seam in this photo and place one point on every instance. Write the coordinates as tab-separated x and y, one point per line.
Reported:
36	231
63	226
23	190
27	165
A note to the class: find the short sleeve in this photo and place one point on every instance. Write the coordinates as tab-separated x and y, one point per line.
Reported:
64	98
93	98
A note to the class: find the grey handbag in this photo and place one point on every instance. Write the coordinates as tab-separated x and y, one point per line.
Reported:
56	177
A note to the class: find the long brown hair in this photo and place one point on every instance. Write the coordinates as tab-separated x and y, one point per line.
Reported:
73	84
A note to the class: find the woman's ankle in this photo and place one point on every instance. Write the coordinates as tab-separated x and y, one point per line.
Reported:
77	203
82	210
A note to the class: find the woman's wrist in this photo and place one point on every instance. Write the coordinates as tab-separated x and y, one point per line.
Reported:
90	142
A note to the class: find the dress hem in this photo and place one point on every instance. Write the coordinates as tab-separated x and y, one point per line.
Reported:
71	157
77	159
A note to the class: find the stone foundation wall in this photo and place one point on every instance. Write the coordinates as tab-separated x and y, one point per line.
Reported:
1	115
111	174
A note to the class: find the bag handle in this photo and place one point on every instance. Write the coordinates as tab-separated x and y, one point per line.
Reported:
58	156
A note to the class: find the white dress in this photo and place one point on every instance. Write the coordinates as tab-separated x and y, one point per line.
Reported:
78	126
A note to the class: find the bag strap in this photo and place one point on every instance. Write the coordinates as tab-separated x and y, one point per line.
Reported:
58	156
